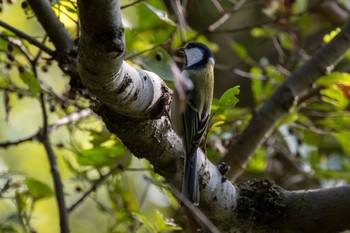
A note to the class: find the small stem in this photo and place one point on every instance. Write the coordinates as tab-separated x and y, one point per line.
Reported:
17	142
95	186
58	186
27	37
131	4
194	210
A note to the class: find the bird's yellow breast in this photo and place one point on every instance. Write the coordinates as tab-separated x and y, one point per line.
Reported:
203	83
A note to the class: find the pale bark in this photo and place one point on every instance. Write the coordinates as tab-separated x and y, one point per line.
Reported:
136	108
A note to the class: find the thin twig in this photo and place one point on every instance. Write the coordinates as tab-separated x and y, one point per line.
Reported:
244	27
18	43
27	37
195	211
311	93
180	13
61	122
131	4
67	15
224	16
58	185
18	141
95	186
218	7
71	118
38	55
132	55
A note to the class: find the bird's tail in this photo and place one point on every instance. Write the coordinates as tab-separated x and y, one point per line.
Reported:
190	187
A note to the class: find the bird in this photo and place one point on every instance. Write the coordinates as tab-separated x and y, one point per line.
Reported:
191	121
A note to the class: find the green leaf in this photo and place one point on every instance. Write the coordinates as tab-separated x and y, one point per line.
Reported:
229	99
334	78
148	226
331	174
343	138
101	156
334	95
286	41
100	137
338	123
257	84
146	25
3	82
4	45
239	49
273	73
31	81
38	189
7	228
216	125
328	37
158	61
242	52
162	15
265	32
259	161
165	224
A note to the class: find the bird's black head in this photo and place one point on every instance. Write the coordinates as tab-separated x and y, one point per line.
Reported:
197	55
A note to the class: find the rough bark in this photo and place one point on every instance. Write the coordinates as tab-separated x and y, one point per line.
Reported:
135	106
264	207
144	127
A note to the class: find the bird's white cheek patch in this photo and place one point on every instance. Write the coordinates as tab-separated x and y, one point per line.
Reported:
194	56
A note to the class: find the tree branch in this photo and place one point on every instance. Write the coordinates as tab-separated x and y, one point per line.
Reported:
27	37
74	117
53	27
128	91
44	138
18	141
265	207
65	52
327	210
145	129
135	107
283	99
131	4
204	221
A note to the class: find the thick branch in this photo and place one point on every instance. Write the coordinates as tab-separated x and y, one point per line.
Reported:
155	141
131	109
325	210
128	91
129	96
264	207
283	99
53	27
65	52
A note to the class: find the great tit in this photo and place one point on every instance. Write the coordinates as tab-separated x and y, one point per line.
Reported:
192	122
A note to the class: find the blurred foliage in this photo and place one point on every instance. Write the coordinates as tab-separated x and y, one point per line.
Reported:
308	148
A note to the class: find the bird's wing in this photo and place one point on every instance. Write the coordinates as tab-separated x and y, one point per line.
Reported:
194	127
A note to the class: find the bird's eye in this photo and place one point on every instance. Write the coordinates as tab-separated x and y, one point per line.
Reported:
189	46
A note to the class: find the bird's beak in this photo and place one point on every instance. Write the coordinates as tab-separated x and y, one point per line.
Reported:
181	49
